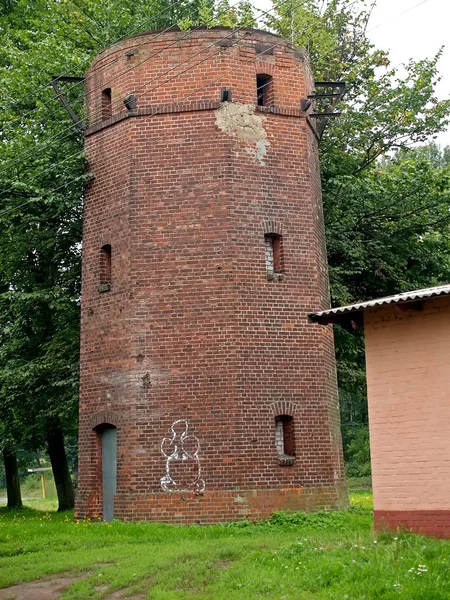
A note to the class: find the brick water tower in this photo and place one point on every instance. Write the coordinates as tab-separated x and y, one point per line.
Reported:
205	393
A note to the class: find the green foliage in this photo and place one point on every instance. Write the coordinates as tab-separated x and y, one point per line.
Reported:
236	16
27	460
292	556
31	486
385	205
334	521
385	200
222	14
357	451
391	232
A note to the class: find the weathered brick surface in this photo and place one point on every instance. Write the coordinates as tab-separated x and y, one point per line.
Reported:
192	327
408	377
425	522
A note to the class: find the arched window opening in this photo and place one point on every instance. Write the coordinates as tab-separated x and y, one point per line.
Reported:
105	268
106	103
285	439
264	90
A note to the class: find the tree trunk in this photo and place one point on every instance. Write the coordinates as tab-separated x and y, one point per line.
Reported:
12	479
60	467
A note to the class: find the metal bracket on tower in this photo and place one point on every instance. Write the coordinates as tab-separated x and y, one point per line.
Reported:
59	93
323	102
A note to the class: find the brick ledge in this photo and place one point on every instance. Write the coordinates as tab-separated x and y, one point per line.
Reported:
197	105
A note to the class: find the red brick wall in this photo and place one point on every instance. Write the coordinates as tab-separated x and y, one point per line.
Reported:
425	522
192	327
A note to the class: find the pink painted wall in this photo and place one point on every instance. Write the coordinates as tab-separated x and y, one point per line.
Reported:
408	376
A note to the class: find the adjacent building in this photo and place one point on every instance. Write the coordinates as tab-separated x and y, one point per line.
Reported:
407	341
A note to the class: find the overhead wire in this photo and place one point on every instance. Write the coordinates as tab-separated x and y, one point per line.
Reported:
70	128
189	68
399	15
189	32
89	60
119	103
12	209
124	37
94	72
231	34
2	213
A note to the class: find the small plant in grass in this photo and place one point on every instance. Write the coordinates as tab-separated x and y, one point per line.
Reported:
292	556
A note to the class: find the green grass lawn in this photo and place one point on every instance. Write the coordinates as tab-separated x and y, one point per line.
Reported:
293	556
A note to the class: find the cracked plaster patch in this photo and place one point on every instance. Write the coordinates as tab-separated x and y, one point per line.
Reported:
240	121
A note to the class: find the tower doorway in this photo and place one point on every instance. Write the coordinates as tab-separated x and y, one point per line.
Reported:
109	471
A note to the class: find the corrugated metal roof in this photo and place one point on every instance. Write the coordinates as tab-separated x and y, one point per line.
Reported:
442	290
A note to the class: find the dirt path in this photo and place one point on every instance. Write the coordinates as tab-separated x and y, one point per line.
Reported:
42	589
51	589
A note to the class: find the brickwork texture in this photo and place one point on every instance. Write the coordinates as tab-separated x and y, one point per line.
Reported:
408	376
193	349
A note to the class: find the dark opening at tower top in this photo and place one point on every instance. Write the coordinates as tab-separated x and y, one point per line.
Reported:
106	103
263	89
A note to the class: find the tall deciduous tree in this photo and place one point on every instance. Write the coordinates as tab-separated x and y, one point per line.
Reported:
386	221
386	211
14	497
42	177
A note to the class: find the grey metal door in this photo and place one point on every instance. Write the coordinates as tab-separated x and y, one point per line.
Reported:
109	471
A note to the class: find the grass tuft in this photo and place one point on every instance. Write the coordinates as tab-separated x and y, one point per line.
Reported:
292	556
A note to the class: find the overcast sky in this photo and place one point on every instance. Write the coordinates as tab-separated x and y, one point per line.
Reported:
415	29
410	29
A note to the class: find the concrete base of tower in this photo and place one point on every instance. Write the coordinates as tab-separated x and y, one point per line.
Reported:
220	506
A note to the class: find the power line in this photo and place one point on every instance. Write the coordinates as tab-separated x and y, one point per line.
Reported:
95	72
69	129
5	212
130	35
398	15
86	62
233	70
85	120
118	104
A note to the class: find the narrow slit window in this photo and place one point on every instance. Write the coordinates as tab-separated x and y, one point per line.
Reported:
106	103
225	95
105	268
285	437
264	90
274	254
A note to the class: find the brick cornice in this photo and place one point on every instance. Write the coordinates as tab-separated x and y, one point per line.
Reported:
196	105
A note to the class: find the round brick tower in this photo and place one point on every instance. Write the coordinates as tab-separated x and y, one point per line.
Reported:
205	393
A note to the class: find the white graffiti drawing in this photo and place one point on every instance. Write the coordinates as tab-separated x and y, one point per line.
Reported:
181	450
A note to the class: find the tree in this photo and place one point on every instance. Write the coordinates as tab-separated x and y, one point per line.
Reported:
42	178
374	247
385	204
14	497
40	223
